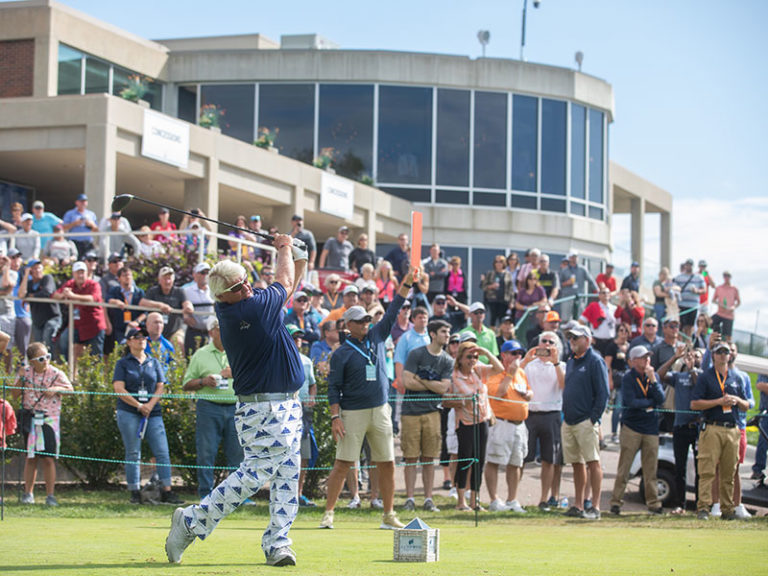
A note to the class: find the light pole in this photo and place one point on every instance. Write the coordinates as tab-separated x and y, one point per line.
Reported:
536	4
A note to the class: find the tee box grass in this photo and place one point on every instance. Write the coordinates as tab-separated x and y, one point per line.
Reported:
89	539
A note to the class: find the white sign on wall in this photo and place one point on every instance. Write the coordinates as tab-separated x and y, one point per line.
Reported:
337	196
165	139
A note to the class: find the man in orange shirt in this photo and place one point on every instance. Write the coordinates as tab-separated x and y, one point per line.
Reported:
509	394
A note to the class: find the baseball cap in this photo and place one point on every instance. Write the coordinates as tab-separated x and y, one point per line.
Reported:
163	211
703	263
572	254
727	273
91	255
507	318
638	352
296	217
310	289
13	252
476	306
455	337
294	330
609	265
635	264
721	346
440	297
512	346
32	263
255	218
300	294
368	288
580	330
467	337
343	228
38	204
351	289
356	314
670	319
115	257
133	332
26	216
212	323
78	266
552	316
203	267
689	261
115	216
82	197
165	270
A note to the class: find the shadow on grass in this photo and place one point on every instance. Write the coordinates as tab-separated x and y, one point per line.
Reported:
148	565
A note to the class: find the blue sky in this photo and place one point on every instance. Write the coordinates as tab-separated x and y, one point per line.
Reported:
689	77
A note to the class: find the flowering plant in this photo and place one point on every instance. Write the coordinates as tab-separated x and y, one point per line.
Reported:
210	114
266	137
135	89
325	159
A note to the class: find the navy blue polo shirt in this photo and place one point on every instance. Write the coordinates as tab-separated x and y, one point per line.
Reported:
586	388
138	376
682	382
259	348
347	382
635	402
707	387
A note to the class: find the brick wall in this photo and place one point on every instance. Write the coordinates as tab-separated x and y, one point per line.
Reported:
17	67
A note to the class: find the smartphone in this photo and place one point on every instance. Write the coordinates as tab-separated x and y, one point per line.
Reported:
543	352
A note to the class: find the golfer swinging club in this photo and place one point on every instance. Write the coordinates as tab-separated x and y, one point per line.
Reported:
267	374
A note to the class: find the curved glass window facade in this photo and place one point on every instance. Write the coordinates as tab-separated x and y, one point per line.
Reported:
430	145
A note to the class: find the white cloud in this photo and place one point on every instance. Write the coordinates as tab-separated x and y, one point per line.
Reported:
728	234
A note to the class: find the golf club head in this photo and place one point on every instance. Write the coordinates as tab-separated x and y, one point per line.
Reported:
121	201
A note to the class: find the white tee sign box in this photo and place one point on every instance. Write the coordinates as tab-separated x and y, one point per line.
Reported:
417	542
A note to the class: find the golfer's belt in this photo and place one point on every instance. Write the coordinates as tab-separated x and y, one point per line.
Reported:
268	397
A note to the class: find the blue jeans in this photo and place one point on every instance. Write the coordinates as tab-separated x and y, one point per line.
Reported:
659	310
215	424
128	423
45	334
762	447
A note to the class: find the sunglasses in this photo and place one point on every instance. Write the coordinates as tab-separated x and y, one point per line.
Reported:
723	352
479	312
672	325
333	282
138	337
516	353
650	325
453	342
473	356
267	273
547	341
235	288
300	300
43	358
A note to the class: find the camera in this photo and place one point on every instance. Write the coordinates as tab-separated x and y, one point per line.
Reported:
543	352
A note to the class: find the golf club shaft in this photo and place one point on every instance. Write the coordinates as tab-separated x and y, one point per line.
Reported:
264	235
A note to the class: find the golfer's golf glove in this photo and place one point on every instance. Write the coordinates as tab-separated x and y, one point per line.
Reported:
299	253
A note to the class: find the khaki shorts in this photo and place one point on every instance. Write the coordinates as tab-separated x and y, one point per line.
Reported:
420	435
373	423
581	442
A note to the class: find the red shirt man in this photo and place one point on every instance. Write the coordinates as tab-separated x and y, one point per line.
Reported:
89	320
607	279
163	224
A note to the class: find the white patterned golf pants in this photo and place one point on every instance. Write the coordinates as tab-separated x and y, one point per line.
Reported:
270	433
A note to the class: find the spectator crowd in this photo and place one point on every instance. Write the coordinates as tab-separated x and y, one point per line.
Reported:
525	373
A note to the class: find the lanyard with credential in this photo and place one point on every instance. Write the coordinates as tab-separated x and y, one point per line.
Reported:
722	381
643	388
370	367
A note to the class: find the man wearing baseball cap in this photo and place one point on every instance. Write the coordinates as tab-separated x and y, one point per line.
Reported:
691	287
358	390
641	396
585	396
486	338
300	233
196	316
83	221
89	320
167	297
336	251
43	222
508	394
718	394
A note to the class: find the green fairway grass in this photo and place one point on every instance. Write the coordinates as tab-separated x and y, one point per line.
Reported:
86	538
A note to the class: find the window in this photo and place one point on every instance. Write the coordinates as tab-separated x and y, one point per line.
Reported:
526	202
405	135
188	103
489	199
236	103
524	142
577	209
596	156
70	70
578	151
412	194
291	108
452	197
345	123
553	147
96	76
490	162
552	205
452	138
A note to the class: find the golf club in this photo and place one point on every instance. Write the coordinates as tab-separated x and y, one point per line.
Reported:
121	201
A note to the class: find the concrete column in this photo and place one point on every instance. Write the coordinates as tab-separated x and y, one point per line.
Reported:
203	193
100	167
666	239
46	70
637	211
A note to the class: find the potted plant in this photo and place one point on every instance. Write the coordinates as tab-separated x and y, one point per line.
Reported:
325	159
135	89
266	138
210	116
